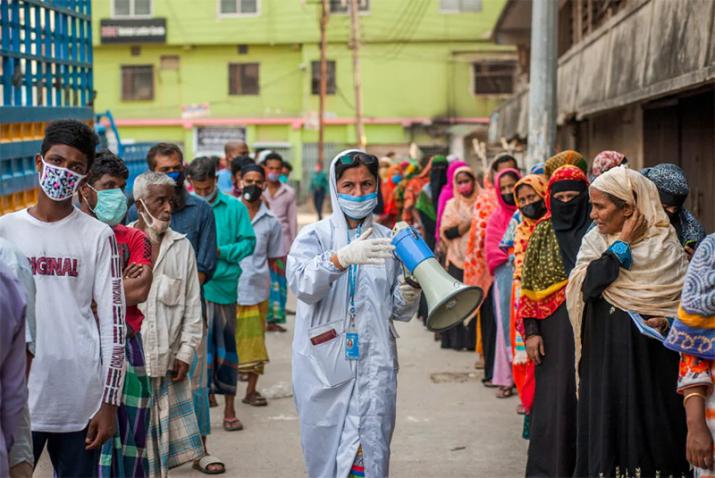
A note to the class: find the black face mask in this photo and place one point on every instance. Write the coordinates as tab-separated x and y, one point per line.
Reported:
674	217
509	199
535	210
252	193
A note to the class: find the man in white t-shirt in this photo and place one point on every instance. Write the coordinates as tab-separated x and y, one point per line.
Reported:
77	375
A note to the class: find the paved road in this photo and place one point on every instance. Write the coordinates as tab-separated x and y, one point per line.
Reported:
452	428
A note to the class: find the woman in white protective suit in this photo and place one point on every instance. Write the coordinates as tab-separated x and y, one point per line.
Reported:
349	288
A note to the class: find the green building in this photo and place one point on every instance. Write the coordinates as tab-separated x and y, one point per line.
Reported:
200	72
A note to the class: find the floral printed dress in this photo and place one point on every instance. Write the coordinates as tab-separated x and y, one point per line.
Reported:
696	372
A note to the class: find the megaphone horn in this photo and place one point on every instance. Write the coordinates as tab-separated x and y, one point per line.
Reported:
448	300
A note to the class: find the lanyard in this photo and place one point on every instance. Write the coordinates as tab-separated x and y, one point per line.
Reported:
352	284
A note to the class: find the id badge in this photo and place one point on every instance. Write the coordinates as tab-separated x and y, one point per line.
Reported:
352	346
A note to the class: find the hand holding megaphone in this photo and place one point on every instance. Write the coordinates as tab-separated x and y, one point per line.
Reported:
366	251
448	300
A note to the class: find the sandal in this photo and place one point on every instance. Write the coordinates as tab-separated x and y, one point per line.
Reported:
488	384
520	410
232	424
212	401
204	465
255	400
276	328
505	392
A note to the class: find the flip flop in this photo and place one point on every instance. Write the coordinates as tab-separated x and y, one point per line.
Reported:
505	392
255	400
232	424
204	463
489	384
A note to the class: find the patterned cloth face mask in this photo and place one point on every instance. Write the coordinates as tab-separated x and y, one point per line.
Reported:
58	184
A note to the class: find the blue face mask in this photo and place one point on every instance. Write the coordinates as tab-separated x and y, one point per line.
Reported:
357	207
111	206
396	179
177	176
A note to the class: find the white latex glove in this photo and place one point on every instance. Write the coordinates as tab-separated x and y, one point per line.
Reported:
409	293
366	251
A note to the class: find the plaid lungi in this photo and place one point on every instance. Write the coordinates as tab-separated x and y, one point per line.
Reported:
124	455
174	437
221	357
279	291
251	337
200	384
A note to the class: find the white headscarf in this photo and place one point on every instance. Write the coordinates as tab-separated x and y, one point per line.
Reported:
338	217
653	285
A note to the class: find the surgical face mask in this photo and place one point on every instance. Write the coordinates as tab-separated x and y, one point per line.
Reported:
273	177
509	199
396	178
111	206
535	210
157	227
283	178
357	207
178	178
252	193
58	184
211	197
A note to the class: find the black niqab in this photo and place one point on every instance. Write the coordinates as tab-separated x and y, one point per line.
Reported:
437	180
570	220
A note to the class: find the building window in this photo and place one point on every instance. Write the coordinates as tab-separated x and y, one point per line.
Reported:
238	7
137	82
243	79
494	77
343	6
460	6
315	78
131	8
169	62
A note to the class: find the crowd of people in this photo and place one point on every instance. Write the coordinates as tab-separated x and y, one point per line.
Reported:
120	325
594	279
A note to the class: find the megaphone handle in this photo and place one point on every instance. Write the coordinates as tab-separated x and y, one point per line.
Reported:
410	278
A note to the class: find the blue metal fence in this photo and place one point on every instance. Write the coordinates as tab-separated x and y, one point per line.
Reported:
45	74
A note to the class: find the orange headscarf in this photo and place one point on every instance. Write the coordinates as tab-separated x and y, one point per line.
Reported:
526	227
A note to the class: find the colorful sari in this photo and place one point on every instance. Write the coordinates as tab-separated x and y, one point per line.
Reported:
522	367
447	193
413	189
502	269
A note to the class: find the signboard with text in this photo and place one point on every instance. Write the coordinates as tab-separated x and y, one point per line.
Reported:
210	140
132	30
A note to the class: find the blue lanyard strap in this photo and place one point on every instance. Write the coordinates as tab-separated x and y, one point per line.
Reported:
352	281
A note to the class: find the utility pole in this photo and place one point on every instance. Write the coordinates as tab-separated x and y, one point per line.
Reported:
355	43
323	79
542	81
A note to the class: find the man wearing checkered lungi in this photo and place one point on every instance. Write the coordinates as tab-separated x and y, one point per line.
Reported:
171	330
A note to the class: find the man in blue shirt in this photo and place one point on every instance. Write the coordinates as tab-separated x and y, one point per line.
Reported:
192	216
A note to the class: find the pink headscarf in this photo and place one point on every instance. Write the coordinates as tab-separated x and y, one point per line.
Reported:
498	223
606	160
447	192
